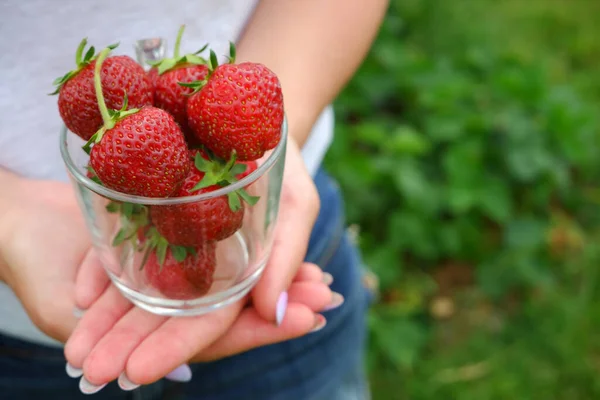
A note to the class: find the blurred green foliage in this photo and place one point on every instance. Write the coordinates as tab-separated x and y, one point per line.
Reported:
468	151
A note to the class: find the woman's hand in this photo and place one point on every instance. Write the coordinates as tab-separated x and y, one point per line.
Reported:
116	340
43	245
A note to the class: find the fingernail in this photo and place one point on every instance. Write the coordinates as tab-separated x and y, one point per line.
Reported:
320	323
125	383
282	303
88	388
336	301
78	312
327	278
73	372
183	373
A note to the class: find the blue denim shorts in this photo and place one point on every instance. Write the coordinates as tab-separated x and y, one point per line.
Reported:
325	365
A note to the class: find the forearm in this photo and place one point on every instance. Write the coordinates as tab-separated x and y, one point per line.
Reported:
10	186
314	47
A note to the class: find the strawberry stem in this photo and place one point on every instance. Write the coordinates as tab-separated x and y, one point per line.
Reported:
109	122
178	41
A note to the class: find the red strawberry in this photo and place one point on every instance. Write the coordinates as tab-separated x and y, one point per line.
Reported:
153	75
240	108
189	277
144	154
77	103
191	224
169	94
172	97
139	152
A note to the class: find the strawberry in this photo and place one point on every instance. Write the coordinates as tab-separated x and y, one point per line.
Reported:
153	75
213	219
138	152
178	273
76	94
238	108
169	95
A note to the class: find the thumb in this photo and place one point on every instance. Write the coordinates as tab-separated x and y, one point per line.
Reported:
298	212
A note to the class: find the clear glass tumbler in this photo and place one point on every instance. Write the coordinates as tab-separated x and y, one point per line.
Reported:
174	280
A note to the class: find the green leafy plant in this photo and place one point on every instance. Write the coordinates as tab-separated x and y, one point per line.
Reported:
460	143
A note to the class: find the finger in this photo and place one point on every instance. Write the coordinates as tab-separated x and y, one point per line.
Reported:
298	211
250	330
312	272
176	342
316	296
109	356
91	281
95	323
308	272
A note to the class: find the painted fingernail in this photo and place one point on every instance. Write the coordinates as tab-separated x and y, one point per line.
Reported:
89	388
320	323
282	303
125	383
336	301
183	373
78	312
327	278
73	372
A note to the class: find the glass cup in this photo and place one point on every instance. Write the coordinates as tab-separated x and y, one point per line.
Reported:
175	280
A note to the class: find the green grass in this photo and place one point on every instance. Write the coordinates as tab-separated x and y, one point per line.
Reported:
468	153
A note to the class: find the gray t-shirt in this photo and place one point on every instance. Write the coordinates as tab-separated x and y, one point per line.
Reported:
38	39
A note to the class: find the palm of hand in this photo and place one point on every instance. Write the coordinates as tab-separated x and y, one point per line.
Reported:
47	244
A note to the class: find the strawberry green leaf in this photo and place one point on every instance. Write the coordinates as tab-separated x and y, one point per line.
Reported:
212	156
231	53
251	200
120	237
127	209
231	161
89	55
161	251
234	201
239	169
196	85
194	59
94	176
179	253
201	164
201	49
145	258
214	63
166	65
206	181
79	51
113	207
